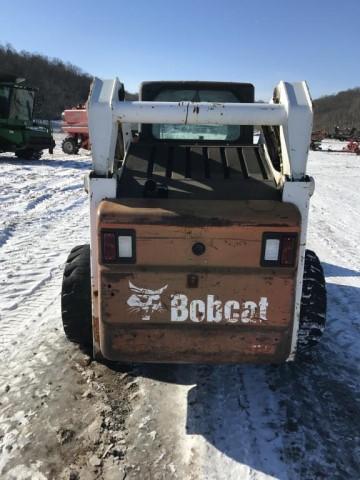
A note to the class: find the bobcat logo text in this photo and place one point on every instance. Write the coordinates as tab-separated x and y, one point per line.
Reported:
210	309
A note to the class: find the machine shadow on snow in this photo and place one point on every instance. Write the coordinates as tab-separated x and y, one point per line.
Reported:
76	164
320	385
220	405
336	271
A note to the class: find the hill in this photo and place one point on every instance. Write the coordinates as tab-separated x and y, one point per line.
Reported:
61	85
342	109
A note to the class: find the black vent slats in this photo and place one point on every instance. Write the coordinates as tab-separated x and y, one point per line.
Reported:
267	171
205	154
252	162
150	166
161	156
216	170
198	171
242	163
234	165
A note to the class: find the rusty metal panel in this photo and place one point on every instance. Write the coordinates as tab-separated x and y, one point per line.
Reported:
173	246
208	212
173	305
243	297
231	232
211	345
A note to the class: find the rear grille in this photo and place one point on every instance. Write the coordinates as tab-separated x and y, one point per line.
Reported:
199	162
227	172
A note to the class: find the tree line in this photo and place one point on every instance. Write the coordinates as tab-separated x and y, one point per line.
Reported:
341	109
60	85
63	85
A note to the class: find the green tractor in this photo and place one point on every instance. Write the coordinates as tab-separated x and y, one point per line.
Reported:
19	133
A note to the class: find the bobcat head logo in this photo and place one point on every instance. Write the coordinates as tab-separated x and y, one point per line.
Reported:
145	300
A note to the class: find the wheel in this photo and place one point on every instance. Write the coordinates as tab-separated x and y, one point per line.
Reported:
70	146
76	297
313	304
29	154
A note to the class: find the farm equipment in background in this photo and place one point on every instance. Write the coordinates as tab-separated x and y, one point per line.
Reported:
75	124
343	134
198	234
316	138
19	133
352	147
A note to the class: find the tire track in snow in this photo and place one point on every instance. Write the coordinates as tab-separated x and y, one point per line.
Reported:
22	253
40	232
43	208
21	302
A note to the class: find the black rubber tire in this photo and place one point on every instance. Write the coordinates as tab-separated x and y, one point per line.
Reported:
29	154
313	304
76	297
70	146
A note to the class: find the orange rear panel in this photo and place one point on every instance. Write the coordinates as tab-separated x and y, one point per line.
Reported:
174	306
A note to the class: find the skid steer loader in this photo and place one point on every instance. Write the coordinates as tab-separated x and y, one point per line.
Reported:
197	229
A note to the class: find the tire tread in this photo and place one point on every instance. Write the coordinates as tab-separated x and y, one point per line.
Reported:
76	297
313	304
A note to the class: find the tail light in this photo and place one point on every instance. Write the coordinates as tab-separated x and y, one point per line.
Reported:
288	250
118	246
109	246
279	249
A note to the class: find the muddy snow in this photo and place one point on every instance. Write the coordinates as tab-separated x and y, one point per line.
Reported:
63	416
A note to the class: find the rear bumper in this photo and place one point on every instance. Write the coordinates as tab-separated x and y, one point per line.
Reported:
194	344
231	316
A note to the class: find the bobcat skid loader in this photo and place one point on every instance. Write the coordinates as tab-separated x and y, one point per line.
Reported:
197	228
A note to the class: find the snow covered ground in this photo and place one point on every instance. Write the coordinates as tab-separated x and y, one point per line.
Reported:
62	416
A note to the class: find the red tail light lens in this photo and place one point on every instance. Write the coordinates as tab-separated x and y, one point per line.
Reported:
109	246
288	250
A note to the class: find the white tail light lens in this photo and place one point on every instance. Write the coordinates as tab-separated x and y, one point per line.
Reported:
119	246
125	249
279	249
272	248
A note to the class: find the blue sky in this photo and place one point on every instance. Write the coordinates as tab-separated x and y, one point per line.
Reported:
259	41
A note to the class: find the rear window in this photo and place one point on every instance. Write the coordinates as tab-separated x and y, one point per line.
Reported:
22	104
229	133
